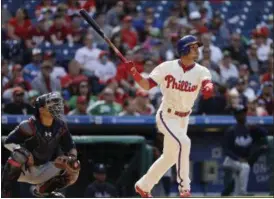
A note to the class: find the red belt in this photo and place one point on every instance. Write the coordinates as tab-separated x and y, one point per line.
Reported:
178	113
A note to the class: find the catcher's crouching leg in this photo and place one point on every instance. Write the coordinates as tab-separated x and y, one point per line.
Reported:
50	188
12	170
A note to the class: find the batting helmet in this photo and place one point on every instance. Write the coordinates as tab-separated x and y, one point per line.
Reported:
183	45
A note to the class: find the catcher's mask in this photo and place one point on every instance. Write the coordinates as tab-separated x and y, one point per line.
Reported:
53	102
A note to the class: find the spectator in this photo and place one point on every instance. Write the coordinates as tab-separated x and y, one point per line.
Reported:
16	72
114	14
183	11
100	188
237	145
263	43
90	6
4	73
18	106
49	19
218	28
74	71
81	106
268	75
261	109
196	23
215	52
254	109
73	7
252	81
62	10
172	23
100	19
227	68
148	16
33	94
147	31
197	5
32	69
45	82
19	25
77	31
18	82
73	86
206	55
105	69
237	50
45	5
58	71
245	93
59	32
233	101
87	54
266	98
37	33
254	63
82	90
142	103
129	109
128	34
106	106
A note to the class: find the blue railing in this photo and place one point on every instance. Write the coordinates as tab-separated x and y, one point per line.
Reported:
142	120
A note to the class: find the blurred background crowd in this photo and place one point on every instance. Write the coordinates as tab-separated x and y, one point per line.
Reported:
46	46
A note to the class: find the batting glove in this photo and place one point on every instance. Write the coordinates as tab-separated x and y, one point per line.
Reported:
207	91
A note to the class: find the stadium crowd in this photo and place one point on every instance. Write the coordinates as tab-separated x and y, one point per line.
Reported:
94	81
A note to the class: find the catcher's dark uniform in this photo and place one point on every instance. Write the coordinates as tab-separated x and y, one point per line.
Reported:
35	149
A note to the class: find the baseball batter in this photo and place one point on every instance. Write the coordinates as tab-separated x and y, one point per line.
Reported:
180	82
42	151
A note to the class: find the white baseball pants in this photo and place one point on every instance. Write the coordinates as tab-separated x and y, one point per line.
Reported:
242	170
176	151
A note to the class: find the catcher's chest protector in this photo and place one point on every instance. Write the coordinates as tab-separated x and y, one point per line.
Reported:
45	142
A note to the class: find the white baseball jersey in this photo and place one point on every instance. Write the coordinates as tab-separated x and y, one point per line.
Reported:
179	88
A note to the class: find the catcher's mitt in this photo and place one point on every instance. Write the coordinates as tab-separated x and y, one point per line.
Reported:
68	163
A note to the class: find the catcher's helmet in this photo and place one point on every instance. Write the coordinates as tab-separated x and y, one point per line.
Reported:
183	45
53	102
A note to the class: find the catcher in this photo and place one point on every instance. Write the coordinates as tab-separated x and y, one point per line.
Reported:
42	151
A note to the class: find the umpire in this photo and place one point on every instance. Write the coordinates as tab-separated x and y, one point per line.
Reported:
242	145
42	151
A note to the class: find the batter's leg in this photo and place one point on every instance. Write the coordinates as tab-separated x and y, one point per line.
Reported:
182	164
160	166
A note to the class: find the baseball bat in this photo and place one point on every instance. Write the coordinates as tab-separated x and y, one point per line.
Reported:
96	27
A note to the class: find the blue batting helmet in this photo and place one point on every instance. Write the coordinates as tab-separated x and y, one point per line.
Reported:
183	45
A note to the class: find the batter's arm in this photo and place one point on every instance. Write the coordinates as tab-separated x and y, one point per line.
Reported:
145	83
206	84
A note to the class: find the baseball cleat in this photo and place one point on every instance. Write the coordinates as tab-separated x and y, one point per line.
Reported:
142	193
185	194
55	194
35	192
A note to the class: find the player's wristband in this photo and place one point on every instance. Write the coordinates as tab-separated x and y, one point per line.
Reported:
136	75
